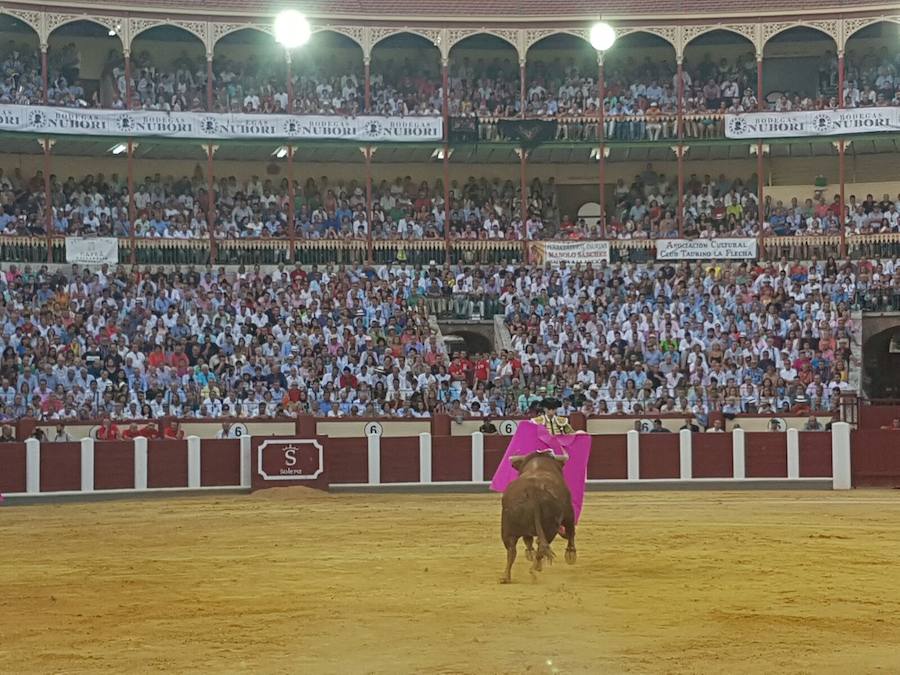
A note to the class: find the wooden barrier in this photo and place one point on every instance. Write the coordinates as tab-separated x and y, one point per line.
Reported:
141	466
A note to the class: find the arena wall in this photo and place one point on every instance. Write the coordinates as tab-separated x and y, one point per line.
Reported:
839	459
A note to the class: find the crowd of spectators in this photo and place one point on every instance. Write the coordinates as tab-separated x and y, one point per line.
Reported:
639	103
169	207
733	338
177	208
138	344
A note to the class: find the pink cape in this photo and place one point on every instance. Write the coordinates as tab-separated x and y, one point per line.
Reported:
531	437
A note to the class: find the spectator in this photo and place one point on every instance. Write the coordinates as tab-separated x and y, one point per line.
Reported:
61	435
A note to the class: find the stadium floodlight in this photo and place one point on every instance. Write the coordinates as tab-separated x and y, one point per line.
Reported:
602	36
118	148
292	30
281	152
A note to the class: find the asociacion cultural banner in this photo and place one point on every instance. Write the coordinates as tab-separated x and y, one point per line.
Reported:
705	249
812	123
92	250
569	252
216	126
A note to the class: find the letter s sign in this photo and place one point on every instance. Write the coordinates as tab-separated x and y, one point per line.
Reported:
290	457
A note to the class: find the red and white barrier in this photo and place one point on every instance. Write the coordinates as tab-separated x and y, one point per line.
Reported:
687	464
41	469
194	465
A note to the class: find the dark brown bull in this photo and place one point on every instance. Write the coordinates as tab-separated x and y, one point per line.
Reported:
535	505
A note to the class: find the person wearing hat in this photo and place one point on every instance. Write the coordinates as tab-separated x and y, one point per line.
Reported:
555	424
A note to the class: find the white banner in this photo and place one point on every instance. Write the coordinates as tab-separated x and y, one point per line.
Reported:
705	249
214	126
92	250
812	123
570	252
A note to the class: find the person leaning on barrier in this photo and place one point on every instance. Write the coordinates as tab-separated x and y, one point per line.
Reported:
487	427
227	431
7	435
61	435
812	424
716	427
689	425
658	427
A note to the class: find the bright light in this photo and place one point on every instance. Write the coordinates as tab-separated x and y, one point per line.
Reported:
281	152
602	36
291	29
118	149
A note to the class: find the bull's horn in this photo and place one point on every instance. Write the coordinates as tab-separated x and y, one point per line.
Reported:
563	458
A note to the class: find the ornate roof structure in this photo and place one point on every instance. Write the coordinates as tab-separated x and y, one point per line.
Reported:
445	23
512	11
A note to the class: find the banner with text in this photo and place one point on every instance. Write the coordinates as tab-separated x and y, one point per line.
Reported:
705	249
216	126
812	123
92	251
569	252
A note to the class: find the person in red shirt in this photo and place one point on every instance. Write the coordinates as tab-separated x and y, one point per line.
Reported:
108	431
456	370
179	361
348	380
157	357
172	431
482	369
134	431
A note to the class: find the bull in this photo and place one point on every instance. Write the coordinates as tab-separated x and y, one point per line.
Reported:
535	505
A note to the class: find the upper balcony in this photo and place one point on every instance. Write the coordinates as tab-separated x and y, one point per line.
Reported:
665	79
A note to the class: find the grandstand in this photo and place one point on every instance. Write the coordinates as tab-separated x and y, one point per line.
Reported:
523	123
401	236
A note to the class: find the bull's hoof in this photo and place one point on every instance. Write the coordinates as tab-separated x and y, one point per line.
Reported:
570	556
534	576
529	554
505	580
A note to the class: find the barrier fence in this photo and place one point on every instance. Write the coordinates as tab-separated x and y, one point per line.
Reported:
16	249
837	460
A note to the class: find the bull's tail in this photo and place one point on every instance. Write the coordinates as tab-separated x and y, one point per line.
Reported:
544	552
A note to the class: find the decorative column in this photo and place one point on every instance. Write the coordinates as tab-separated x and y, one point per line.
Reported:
842	223
210	150
132	211
601	133
761	149
47	146
128	92
760	179
445	92
840	85
523	202
291	196
209	82
760	106
368	151
368	84
841	148
679	152
45	76
523	101
290	85
447	206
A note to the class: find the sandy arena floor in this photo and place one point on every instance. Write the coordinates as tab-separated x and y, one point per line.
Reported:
299	582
